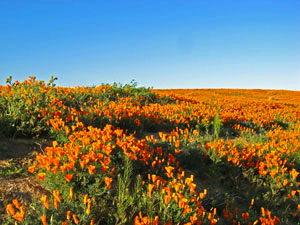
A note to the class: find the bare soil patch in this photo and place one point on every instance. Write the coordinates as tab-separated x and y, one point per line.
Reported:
15	182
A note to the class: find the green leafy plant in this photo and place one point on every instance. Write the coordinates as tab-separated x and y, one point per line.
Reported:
217	125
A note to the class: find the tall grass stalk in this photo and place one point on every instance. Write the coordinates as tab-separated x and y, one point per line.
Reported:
124	200
217	126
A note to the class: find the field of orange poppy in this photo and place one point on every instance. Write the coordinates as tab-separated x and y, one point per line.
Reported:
123	154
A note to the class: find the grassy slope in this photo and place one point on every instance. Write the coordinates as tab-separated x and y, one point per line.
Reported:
225	183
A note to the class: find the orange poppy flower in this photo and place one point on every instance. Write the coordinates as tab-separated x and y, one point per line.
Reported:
167	199
45	201
150	189
16	203
85	198
10	209
245	216
44	219
169	170
93	221
177	186
31	169
88	210
112	171
20	215
54	144
154	178
71	193
294	173
82	163
104	168
41	176
56	195
69	177
76	220
55	204
68	215
262	211
54	169
91	169
108	181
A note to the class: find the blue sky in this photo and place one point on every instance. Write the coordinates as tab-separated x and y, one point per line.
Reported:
160	44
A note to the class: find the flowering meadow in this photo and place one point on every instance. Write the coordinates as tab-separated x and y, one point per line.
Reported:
123	154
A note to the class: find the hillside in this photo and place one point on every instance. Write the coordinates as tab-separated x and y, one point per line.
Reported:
122	154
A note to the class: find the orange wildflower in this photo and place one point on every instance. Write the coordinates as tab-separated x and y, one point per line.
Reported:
16	203
68	215
10	209
150	189
263	211
104	168
55	204
75	218
245	216
82	163
169	170
69	177
41	176
71	193
167	199
252	203
91	169
31	169
54	144
294	173
108	181
56	195
88	210
194	218
44	219
45	201
93	221
19	216
85	198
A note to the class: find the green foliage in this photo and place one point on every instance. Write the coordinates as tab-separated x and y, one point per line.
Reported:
125	200
9	80
20	109
12	169
217	126
51	82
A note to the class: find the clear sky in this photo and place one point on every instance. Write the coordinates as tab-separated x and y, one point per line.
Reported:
158	43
